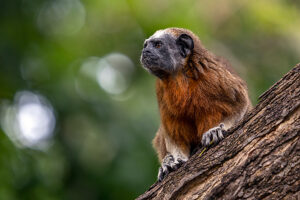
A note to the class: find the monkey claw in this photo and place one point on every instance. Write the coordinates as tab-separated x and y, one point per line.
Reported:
168	165
213	135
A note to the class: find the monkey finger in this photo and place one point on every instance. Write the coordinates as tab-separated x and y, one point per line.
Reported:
161	174
220	134
206	139
203	141
170	168
173	167
215	135
222	126
180	161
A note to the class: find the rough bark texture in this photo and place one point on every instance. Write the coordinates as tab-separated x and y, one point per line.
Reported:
260	158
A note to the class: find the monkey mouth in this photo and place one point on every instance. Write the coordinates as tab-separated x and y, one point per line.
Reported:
149	58
151	64
149	61
153	68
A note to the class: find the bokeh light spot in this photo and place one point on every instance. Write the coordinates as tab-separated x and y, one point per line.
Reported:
64	17
30	121
110	79
112	73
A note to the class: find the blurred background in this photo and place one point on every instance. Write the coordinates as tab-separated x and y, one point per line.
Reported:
78	112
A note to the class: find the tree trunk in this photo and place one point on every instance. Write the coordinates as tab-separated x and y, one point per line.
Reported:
259	159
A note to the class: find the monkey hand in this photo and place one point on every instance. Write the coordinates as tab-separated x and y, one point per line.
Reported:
213	135
168	165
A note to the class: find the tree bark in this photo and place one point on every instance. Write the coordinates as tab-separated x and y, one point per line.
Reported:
259	159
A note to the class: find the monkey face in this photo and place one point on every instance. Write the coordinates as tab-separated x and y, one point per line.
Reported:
164	54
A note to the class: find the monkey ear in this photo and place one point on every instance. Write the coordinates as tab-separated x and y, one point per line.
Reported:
185	44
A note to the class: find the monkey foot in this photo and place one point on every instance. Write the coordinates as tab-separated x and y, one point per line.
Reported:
213	135
168	165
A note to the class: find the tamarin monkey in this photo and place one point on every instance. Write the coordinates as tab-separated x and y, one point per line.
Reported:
198	94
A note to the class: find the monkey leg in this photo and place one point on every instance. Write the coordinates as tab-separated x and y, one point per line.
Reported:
213	135
176	156
159	144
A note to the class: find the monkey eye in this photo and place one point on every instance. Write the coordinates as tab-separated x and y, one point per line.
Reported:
158	44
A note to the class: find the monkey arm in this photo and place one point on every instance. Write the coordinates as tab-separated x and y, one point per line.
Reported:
171	154
223	116
164	145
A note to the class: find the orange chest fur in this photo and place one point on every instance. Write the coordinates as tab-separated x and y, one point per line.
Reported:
179	98
178	111
174	100
185	110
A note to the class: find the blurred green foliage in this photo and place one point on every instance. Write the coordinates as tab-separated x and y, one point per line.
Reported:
101	145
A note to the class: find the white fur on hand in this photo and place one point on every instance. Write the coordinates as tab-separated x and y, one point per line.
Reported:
213	135
168	165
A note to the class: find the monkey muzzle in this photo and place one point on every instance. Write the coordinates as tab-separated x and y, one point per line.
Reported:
151	63
149	59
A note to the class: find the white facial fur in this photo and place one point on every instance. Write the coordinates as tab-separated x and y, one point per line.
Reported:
158	34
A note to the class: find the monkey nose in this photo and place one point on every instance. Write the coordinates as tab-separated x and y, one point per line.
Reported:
149	54
146	52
